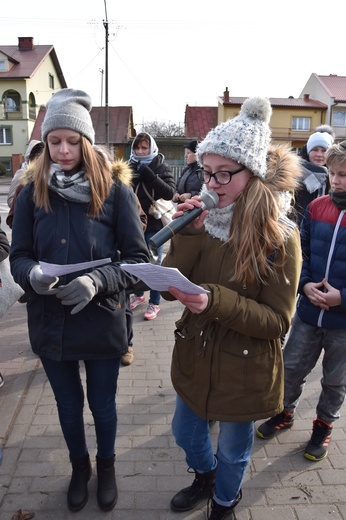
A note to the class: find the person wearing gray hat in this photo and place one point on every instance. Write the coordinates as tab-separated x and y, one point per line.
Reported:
245	256
73	221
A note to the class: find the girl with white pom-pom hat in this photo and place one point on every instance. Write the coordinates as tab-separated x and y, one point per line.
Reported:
227	360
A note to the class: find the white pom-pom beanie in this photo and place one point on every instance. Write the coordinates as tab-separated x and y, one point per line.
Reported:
69	108
245	138
322	139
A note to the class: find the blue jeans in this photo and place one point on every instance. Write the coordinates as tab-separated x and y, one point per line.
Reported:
301	353
234	446
154	296
101	385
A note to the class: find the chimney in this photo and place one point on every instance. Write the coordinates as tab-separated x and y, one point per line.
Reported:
226	96
25	43
306	97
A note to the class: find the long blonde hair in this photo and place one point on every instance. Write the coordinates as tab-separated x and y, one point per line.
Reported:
258	233
98	170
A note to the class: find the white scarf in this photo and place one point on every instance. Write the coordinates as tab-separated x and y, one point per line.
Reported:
218	222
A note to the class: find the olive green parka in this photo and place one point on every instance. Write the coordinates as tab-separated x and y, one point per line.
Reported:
227	361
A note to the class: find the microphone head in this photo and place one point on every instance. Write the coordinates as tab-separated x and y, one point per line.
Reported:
210	199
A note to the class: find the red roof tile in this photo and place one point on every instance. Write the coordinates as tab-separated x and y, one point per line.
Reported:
335	86
279	102
28	60
199	120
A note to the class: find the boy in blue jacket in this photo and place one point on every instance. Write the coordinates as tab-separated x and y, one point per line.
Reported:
320	319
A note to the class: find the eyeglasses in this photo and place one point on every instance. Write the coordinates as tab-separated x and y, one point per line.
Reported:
221	177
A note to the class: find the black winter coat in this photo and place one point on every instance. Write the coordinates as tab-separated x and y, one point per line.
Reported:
67	235
159	182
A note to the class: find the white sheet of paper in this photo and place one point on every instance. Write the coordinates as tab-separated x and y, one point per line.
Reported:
159	278
59	270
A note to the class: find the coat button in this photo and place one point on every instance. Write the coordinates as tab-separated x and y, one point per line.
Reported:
63	240
245	352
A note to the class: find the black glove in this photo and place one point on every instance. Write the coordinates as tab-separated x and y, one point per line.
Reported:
79	292
146	174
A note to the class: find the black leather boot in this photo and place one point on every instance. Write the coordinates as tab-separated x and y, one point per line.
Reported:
202	487
107	493
217	512
77	494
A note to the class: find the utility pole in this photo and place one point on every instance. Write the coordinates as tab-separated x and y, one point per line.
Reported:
102	72
105	24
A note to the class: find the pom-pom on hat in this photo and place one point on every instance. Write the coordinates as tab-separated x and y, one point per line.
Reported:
245	138
323	139
69	108
192	145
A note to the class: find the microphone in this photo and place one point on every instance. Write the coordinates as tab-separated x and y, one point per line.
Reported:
209	200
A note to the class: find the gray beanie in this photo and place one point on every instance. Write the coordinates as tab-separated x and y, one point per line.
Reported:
69	108
245	138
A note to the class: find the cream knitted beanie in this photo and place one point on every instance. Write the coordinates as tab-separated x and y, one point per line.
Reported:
245	138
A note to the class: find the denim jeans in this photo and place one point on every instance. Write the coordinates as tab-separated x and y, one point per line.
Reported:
301	353
233	452
154	296
101	386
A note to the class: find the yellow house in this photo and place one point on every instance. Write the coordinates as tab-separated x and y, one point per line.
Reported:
29	75
293	119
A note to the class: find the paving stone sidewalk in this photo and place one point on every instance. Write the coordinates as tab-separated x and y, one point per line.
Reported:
34	474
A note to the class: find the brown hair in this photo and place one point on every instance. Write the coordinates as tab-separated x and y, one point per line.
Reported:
139	138
98	170
258	235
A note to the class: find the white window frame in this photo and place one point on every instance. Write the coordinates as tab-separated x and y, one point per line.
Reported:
301	124
6	135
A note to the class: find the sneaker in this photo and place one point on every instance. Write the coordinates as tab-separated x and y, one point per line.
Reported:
1	380
136	300
218	512
270	428
127	359
151	312
317	447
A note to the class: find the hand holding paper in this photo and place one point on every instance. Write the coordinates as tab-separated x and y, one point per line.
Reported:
160	278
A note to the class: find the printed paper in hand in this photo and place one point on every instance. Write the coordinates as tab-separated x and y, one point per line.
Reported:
159	278
59	270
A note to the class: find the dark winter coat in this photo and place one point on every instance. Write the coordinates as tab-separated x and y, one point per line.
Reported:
160	184
67	235
190	180
323	235
227	361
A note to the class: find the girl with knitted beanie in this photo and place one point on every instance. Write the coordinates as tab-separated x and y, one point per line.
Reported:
79	208
227	361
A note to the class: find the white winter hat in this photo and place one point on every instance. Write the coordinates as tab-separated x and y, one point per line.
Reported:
322	139
69	108
245	138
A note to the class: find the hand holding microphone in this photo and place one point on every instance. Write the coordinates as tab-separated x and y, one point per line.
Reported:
209	200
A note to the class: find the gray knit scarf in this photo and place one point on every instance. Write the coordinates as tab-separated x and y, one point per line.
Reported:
75	188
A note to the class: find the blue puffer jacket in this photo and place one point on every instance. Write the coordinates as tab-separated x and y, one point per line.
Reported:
68	235
323	237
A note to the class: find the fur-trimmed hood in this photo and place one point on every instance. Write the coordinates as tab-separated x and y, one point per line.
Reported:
122	171
283	168
283	174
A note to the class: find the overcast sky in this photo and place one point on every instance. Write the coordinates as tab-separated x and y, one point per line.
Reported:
163	55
